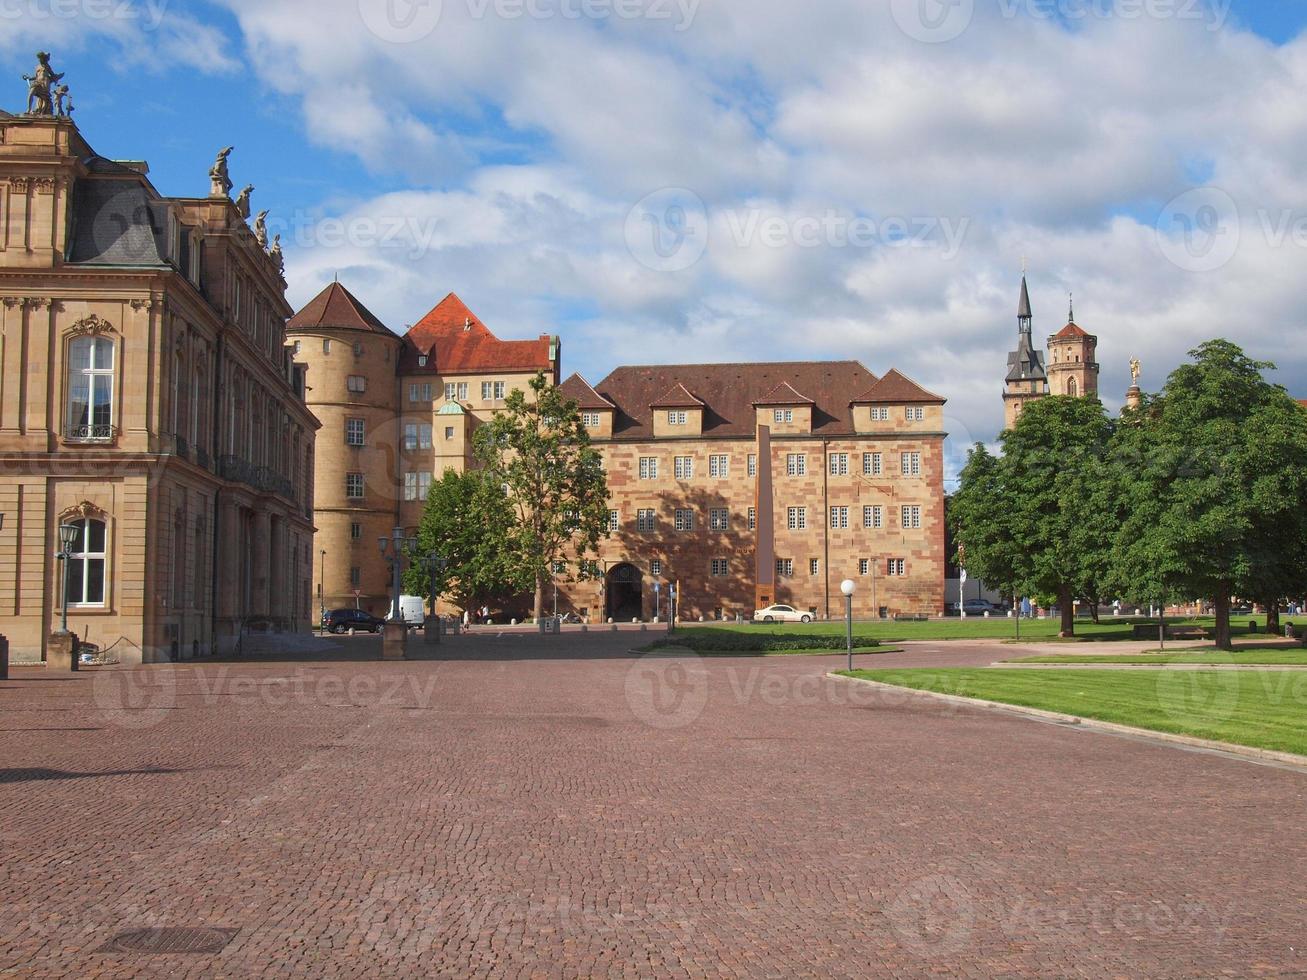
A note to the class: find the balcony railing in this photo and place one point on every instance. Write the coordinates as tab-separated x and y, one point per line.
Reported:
91	433
261	478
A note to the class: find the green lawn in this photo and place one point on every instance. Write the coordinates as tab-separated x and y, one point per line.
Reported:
672	648
999	628
1264	709
1276	656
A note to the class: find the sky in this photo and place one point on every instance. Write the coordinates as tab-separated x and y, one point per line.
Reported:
713	180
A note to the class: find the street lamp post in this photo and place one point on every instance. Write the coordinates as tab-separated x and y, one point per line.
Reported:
847	587
397	544
67	535
434	565
322	586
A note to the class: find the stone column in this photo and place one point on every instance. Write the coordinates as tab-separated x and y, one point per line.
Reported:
394	641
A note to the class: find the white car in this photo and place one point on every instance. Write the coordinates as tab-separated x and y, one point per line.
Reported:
782	614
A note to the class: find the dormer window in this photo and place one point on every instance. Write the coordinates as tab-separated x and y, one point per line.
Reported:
783	415
422	360
676	418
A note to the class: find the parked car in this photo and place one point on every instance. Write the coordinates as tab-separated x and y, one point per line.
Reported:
344	620
979	607
782	614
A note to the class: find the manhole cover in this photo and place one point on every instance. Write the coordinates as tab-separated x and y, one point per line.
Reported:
170	939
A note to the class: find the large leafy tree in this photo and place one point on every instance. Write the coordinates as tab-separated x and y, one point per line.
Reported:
538	451
1213	472
468	523
1032	520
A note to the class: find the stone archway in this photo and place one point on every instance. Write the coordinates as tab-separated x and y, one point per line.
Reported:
624	593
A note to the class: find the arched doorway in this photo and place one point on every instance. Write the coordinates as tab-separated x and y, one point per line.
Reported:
624	593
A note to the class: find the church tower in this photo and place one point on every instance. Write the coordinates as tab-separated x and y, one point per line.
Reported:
1026	376
1073	368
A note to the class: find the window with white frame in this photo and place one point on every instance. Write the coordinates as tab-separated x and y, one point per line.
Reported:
896	567
864	566
356	384
90	388
676	418
684	520
355	531
872	464
719	519
354	486
462	391
590	419
719	467
417	485
784	567
614	520
796	518
873	515
683	467
354	432
839	464
720	567
880	414
753	518
814	566
326	341
910	516
655	566
781	415
499	391
648	467
915	413
85	574
646	520
449	432
485	390
751	464
796	464
910	464
417	435
839	517
451	391
419	392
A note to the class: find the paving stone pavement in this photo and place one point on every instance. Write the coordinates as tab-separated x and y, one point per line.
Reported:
556	807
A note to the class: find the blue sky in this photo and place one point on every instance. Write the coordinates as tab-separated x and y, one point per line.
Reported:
744	179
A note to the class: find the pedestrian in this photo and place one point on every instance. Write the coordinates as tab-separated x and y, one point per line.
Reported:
467	619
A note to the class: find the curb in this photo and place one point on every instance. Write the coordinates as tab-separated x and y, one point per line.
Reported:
1288	759
1009	665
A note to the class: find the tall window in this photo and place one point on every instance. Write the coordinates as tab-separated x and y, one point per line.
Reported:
895	567
462	391
796	518
752	464
753	518
910	516
417	485
839	517
871	464
910	464
645	520
354	431
355	531
417	435
614	520
90	388
719	519
683	467
1071	386
451	391
814	566
648	467
356	384
499	391
485	391
720	567
354	486
784	567
864	566
839	464
719	466
86	564
796	464
656	566
873	516
684	520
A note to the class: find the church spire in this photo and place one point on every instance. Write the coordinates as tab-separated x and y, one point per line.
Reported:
1070	308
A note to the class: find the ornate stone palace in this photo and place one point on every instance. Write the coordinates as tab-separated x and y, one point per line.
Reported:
147	401
743	483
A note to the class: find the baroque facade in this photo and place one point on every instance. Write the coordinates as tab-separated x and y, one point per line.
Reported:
742	484
148	400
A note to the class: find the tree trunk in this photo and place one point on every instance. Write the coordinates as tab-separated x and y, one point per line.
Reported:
1093	609
1065	603
1221	607
540	597
1273	627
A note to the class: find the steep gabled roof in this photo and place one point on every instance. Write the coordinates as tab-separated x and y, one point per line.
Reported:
898	388
580	391
678	396
728	393
456	341
784	394
336	308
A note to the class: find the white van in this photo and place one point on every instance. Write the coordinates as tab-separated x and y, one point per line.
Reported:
413	608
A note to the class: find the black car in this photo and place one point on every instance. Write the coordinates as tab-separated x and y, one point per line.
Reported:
344	620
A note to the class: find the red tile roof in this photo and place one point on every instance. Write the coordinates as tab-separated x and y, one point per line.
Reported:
455	341
678	396
1070	332
898	388
784	394
336	308
579	390
729	392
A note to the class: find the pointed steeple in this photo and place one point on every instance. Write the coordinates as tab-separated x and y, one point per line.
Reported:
1024	317
1070	308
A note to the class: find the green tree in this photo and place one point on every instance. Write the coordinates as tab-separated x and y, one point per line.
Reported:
539	452
1212	472
1031	520
467	522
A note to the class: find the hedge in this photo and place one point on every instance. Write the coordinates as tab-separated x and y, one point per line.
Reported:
731	642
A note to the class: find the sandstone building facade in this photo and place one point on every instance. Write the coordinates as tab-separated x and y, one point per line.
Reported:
148	400
743	484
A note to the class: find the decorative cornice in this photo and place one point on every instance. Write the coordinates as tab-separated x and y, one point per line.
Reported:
19	184
39	302
81	511
92	324
143	304
44	184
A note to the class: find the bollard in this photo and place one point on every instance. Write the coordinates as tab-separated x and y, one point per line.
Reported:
4	658
1252	626
61	651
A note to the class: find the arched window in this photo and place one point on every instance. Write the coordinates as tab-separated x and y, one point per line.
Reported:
90	388
1071	386
85	572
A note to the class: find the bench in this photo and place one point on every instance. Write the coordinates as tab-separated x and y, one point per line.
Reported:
911	618
1148	631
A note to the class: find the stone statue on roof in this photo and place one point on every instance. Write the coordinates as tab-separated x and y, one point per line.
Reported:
63	103
41	85
218	173
243	201
1135	370
261	229
275	252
